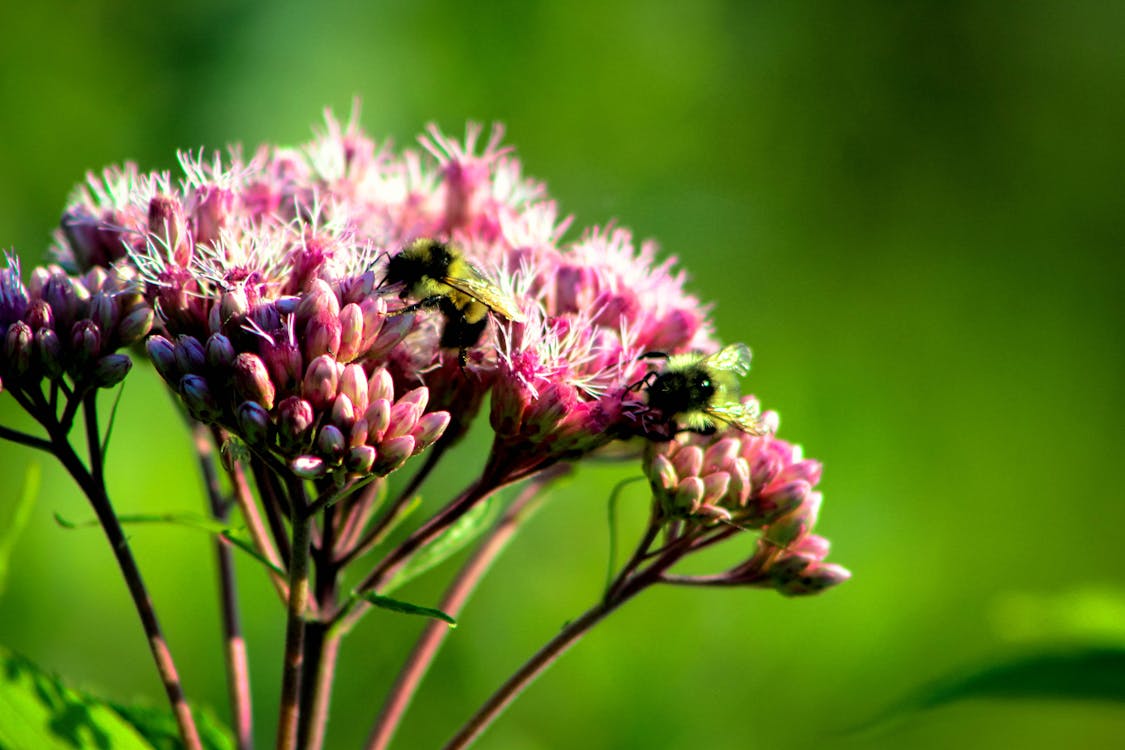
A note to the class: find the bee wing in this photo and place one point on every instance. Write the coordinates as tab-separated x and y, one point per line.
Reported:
734	358
737	414
473	283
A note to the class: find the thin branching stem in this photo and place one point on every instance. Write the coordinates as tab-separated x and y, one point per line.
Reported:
289	713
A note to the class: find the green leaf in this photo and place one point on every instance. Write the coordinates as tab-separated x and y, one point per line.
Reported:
1093	674
38	711
406	608
188	520
614	496
11	529
158	726
448	543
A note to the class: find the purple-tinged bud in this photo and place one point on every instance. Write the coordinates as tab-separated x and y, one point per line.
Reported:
17	348
39	315
380	386
13	294
689	494
307	467
419	396
213	205
322	335
104	311
393	454
294	417
252	381
360	459
330	443
712	513
343	414
374	311
163	355
356	288
93	281
190	354
662	473
430	427
814	579
392	332
777	500
48	348
253	422
135	325
60	294
378	418
288	304
199	399
353	384
321	379
111	370
688	461
233	307
219	352
166	223
357	435
797	523
351	332
740	487
721	455
404	415
715	486
808	470
318	299
812	546
284	362
85	343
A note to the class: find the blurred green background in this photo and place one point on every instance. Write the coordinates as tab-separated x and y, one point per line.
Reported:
913	213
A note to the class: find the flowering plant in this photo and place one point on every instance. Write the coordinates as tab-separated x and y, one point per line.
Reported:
323	316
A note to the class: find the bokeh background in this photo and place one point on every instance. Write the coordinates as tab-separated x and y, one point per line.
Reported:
913	213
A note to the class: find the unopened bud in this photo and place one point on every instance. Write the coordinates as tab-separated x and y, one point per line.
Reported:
715	486
797	523
330	443
253	421
283	360
404	415
688	461
360	459
17	348
111	370
104	312
318	299
778	501
307	467
166	223
48	348
163	355
199	399
219	352
321	379
378	418
353	384
39	315
59	293
721	455
380	386
213	205
429	428
393	454
135	325
85	342
813	580
689	494
351	332
294	417
322	335
662	473
342	414
190	355
252	381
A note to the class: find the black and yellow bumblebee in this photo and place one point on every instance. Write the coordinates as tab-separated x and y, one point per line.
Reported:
699	392
437	275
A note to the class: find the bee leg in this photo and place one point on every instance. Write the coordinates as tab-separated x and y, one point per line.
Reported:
429	302
643	382
653	355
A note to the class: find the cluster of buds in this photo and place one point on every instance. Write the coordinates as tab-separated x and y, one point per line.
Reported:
318	400
752	483
64	326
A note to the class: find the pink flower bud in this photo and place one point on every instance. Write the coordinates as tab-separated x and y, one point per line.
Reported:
48	349
307	467
715	486
358	434
418	396
213	205
813	580
777	500
163	356
60	294
351	332
253	421
688	461
343	414
322	335
378	418
353	384
429	428
393	453
721	455
662	473
294	417
167	225
689	494
319	299
330	443
39	315
321	378
740	487
284	362
360	459
404	415
380	386
252	381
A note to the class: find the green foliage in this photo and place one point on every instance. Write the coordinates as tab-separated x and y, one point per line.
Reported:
14	521
463	531
406	608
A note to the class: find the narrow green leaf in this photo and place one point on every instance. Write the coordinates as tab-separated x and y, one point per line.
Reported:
614	495
1093	674
38	711
232	534
448	543
406	608
11	529
112	419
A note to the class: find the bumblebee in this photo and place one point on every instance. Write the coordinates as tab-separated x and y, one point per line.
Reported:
700	391
437	275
